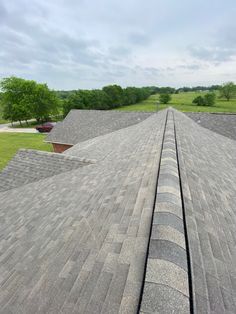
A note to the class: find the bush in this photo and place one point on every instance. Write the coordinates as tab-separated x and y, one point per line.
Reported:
164	98
199	101
208	100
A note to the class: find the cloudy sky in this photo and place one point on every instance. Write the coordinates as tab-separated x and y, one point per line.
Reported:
88	44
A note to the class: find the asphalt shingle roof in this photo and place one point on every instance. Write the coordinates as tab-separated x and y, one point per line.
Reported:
31	165
224	124
208	168
76	242
148	226
81	125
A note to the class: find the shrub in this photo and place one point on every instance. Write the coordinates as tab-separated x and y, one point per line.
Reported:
210	99
164	98
199	101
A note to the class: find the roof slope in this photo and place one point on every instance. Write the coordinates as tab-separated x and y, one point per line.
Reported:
77	242
208	168
31	165
224	124
81	125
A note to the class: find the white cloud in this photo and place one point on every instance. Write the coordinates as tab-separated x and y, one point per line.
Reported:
80	44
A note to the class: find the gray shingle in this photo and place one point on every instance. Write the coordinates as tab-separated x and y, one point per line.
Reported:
31	165
59	235
167	273
165	232
224	124
162	218
77	239
163	299
82	125
169	251
207	167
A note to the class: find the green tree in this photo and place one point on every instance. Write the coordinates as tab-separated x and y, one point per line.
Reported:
43	102
115	94
108	98
199	101
130	96
165	90
99	100
165	98
76	100
14	98
25	99
210	99
228	90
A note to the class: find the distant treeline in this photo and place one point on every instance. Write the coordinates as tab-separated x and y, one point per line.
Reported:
114	96
198	88
171	90
110	97
22	99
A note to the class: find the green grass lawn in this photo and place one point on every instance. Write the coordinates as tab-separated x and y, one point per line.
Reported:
11	142
182	102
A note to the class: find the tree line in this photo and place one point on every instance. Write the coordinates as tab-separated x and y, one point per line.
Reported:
211	88
22	99
109	97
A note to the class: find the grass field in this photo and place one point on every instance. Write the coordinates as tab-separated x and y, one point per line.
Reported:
182	102
11	142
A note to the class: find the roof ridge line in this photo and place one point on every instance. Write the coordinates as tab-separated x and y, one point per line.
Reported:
162	245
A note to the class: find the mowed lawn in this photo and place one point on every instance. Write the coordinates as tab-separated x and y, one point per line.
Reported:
183	102
11	142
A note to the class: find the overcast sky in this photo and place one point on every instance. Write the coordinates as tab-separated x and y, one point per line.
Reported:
88	44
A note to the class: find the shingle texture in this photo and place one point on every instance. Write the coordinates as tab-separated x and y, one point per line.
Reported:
76	242
208	168
31	165
81	125
224	124
167	268
152	207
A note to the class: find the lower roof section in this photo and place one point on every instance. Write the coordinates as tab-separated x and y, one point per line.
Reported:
222	123
30	165
82	125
